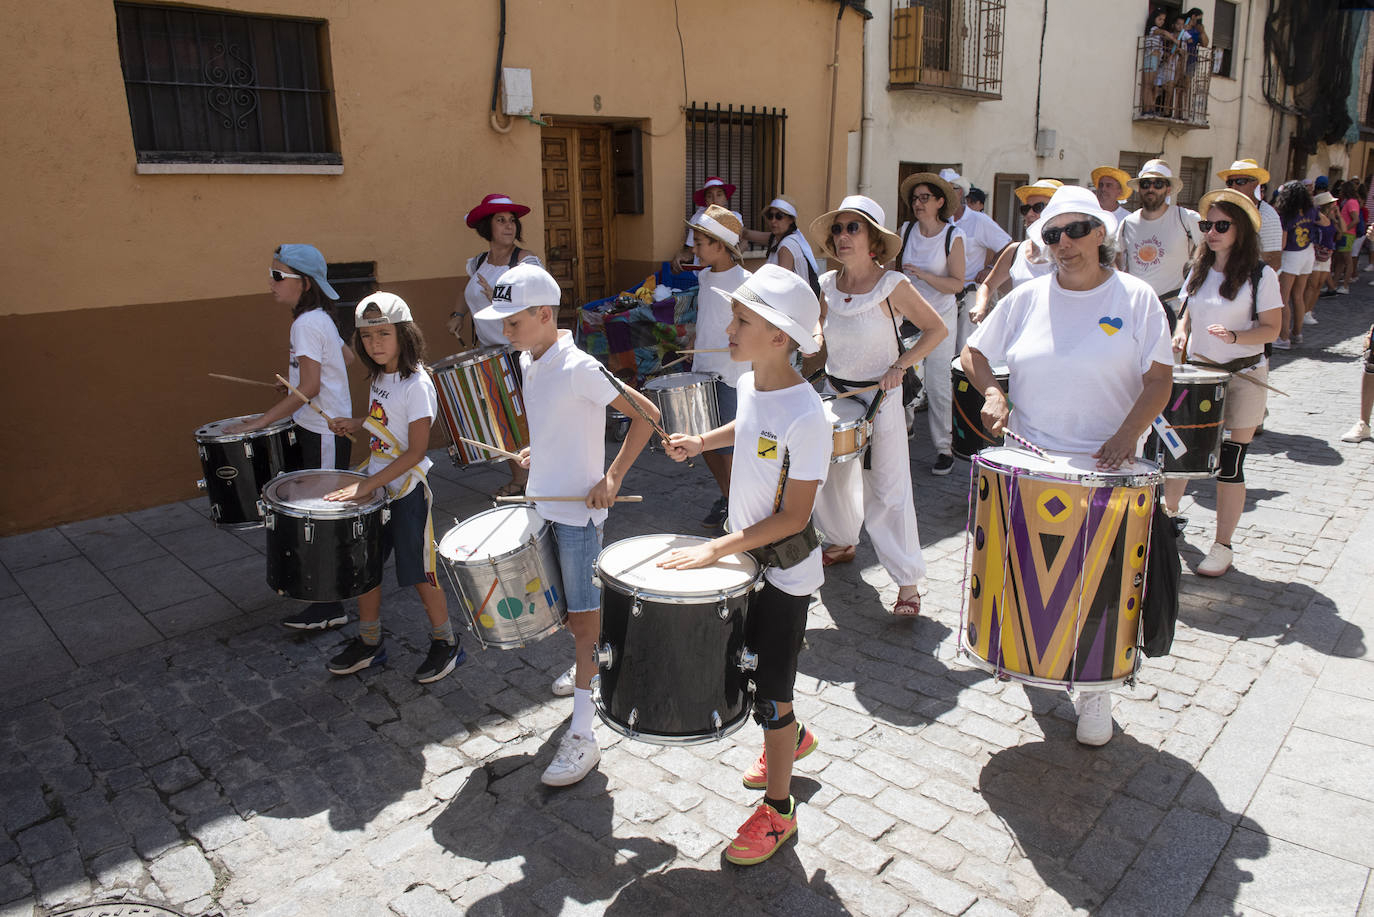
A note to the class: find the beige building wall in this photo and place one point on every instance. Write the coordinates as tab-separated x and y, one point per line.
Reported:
126	288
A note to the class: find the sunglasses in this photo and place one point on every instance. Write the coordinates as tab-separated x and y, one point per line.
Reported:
279	276
922	198
775	215
1037	207
1075	230
1240	180
1221	226
851	228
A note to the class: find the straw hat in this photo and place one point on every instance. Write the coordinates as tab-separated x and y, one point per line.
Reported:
887	243
1231	196
719	224
1123	178
1245	167
699	195
1157	168
1323	198
935	181
1045	187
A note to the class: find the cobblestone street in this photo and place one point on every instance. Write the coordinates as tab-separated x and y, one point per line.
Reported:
163	739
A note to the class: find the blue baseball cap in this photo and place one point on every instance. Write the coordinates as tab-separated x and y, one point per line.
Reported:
308	260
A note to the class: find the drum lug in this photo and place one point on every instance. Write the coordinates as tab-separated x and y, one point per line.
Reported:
717	722
309	532
214	511
748	661
203	455
633	720
268	519
357	528
596	581
200	485
1221	393
248	448
386	514
636	607
723	611
291	436
605	656
759	584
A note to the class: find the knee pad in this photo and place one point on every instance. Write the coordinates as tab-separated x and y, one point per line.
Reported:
766	715
1232	469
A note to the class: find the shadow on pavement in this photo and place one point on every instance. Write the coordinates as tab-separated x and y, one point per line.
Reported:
1297	447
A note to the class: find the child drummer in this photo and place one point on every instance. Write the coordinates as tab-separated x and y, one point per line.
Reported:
782	445
566	396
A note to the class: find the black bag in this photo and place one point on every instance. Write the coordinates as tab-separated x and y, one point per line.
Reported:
1163	573
911	383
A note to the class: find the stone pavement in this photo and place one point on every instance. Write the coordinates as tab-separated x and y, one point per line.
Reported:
162	739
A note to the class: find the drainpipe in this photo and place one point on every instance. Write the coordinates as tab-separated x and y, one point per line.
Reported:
1244	69
866	124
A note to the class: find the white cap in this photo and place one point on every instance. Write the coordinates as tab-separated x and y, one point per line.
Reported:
522	287
386	308
954	178
1071	199
783	299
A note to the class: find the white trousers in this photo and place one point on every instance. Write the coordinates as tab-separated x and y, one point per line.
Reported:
940	388
879	499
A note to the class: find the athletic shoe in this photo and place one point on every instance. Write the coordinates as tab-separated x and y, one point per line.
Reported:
576	757
443	658
944	464
1309	319
1217	561
716	517
756	778
317	616
1325	293
1343	288
1282	344
357	656
565	684
760	836
1296	339
1357	433
1095	718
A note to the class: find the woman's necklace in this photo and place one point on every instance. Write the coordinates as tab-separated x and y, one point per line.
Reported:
843	276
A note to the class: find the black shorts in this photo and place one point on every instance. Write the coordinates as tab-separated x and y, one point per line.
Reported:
405	534
774	631
312	443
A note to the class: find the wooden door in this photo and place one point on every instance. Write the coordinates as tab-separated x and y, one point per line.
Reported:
577	212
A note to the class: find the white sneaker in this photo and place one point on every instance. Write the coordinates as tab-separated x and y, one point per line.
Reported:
1094	717
1309	319
576	757
1281	344
1357	433
1217	561
564	684
1342	289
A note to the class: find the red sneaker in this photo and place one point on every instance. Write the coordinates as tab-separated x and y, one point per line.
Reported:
756	778
760	836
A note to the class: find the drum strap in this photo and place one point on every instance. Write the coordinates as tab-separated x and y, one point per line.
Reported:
845	385
792	550
402	486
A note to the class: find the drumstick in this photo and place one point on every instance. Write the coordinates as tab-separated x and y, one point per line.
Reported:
625	393
240	379
1203	361
635	498
708	350
1031	447
481	445
859	391
672	363
301	395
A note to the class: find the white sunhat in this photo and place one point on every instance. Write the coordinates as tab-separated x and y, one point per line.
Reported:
1071	199
783	299
522	287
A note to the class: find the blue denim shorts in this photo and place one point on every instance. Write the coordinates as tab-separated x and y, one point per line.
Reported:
577	551
727	402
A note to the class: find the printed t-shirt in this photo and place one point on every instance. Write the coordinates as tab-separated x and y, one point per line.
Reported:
1157	251
396	403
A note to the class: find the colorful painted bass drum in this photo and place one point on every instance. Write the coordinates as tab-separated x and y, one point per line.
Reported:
1195	410
479	398
1056	578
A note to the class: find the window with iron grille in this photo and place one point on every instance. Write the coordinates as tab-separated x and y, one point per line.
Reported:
745	147
951	45
207	86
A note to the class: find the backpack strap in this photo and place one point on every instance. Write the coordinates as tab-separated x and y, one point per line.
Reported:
481	260
906	237
949	238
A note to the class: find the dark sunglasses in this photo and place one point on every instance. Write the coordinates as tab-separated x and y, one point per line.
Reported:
279	276
1147	183
775	215
1221	226
851	228
1075	230
1037	207
1240	180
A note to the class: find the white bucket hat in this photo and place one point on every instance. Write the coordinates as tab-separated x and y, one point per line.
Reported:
956	180
783	299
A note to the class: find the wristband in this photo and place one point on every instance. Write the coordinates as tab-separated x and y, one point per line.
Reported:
1235	339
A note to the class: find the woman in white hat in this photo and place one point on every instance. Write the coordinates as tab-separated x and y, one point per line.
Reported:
715	190
1089	349
787	247
1026	260
861	310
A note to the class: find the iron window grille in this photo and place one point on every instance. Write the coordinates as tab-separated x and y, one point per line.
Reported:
207	86
948	45
745	147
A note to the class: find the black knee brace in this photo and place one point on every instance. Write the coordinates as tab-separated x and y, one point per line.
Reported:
1232	463
766	715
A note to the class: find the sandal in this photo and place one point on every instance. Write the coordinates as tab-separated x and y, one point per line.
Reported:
907	608
510	489
837	555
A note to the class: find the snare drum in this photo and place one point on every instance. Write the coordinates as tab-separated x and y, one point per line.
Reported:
1195	410
479	398
672	665
319	550
687	402
237	465
970	435
850	430
504	566
1058	567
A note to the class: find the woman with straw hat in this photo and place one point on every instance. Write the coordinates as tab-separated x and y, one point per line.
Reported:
1233	311
1026	260
861	309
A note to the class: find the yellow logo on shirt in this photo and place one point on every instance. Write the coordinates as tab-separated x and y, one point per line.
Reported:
768	448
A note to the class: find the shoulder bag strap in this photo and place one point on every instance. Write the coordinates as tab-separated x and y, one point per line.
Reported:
906	237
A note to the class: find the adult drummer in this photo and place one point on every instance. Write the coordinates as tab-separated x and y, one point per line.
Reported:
497	221
1089	349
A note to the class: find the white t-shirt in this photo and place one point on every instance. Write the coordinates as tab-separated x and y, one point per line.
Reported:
981	235
802	255
1076	358
1157	251
398	402
566	397
691	234
1023	269
713	317
768	424
314	335
1271	228
1208	307
1120	213
928	254
489	330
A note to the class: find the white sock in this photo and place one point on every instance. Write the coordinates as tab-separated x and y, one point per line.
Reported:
582	712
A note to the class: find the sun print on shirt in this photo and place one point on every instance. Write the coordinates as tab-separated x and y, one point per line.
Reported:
1149	252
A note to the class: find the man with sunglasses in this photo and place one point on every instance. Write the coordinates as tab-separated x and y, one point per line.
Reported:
1248	177
1157	241
984	242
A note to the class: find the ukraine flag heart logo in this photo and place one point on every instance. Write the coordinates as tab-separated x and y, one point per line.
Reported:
1109	325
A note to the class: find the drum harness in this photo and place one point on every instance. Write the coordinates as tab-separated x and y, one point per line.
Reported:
406	482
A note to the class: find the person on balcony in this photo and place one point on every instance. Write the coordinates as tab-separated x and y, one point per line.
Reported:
1190	38
1157	241
1111	183
984	241
1158	42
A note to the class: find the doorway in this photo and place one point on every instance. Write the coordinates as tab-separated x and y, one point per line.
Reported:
578	213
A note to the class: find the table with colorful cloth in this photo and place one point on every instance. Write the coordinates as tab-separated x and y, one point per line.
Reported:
633	338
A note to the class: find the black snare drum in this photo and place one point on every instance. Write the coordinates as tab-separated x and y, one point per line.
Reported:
1197	405
317	550
237	465
970	435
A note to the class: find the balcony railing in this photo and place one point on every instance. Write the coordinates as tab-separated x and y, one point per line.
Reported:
1172	83
948	46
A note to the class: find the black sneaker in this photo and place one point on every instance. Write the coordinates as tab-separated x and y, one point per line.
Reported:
944	464
317	616
443	658
357	656
716	517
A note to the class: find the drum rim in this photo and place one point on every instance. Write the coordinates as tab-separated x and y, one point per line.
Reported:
998	372
474	355
658	738
374	503
972	658
276	426
544	529
653	386
1203	374
1092	478
661	598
